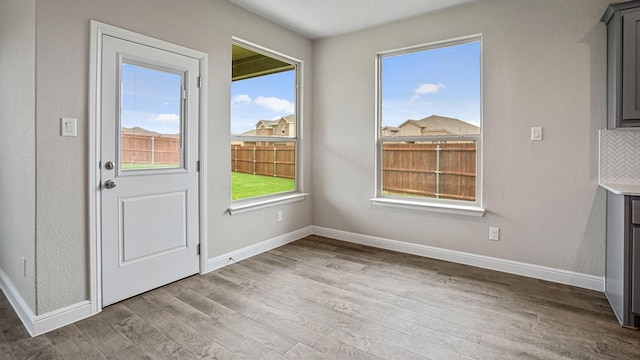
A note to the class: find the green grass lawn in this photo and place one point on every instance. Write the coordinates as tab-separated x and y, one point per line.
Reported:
248	185
242	185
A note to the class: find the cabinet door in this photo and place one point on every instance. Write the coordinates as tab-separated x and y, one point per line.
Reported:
635	271
635	210
630	66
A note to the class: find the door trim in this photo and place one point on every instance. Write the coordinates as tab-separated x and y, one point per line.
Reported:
98	30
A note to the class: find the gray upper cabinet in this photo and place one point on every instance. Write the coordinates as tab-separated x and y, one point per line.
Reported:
623	64
630	65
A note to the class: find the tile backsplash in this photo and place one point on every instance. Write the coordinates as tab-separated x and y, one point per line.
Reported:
620	156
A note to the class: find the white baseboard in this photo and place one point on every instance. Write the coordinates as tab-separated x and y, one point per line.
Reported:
40	324
586	281
249	251
24	311
61	317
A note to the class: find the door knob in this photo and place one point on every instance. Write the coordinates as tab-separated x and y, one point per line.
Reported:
110	184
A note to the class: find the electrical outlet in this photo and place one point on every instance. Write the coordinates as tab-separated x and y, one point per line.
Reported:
280	217
494	233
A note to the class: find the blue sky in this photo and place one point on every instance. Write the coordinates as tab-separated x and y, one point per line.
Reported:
261	98
151	99
443	81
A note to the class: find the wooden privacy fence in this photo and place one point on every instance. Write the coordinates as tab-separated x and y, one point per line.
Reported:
145	149
444	171
276	161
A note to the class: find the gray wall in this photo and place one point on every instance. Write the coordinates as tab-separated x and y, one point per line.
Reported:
62	91
544	65
17	144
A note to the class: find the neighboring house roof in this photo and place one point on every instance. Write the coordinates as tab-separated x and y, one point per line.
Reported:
289	119
249	133
439	124
144	132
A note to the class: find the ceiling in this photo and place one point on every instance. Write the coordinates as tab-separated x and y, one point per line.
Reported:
323	18
247	64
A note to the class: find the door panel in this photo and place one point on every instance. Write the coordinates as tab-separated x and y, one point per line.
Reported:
147	233
149	148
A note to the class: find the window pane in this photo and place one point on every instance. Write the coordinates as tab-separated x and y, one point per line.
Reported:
263	104
263	95
150	118
433	96
262	169
437	169
432	92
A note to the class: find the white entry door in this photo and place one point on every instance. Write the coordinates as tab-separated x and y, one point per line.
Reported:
148	169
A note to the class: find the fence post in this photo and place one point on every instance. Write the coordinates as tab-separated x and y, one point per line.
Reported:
153	150
438	171
254	160
275	162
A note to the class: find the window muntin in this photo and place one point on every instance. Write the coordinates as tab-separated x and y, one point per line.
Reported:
429	120
264	123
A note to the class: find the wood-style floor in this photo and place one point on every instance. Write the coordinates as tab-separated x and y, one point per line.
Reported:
319	298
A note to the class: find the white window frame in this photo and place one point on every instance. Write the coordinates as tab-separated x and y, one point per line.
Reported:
259	202
458	207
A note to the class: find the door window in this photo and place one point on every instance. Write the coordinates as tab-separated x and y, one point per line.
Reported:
150	118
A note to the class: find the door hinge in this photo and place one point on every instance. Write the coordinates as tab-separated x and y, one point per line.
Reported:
199	81
198	165
198	249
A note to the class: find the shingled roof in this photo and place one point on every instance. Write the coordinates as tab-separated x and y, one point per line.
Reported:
289	119
138	131
435	124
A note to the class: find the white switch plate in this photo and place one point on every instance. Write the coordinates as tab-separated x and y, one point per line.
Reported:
536	133
68	126
280	215
494	233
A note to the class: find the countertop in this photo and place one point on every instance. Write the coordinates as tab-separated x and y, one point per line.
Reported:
622	189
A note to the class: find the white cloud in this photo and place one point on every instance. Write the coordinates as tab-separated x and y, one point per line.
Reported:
427	89
276	104
241	99
166	118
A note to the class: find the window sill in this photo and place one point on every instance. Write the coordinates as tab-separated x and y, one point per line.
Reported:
264	203
466	210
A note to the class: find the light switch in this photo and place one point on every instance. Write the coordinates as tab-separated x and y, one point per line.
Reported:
536	133
68	126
